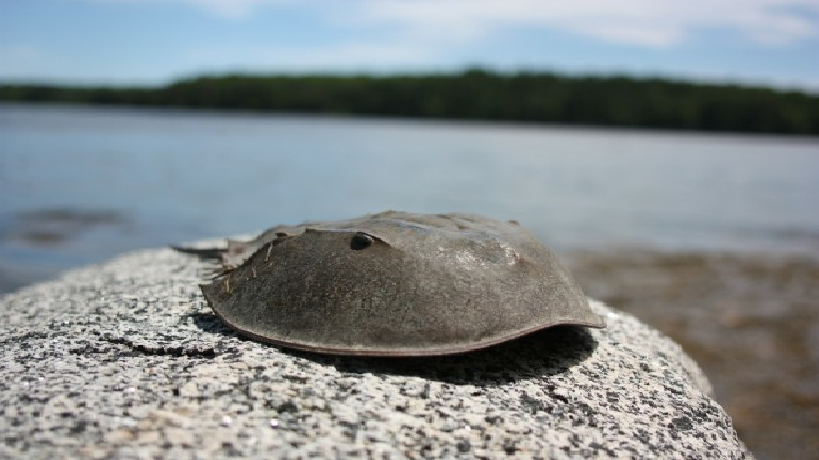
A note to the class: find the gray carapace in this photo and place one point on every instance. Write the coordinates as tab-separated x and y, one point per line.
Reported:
394	284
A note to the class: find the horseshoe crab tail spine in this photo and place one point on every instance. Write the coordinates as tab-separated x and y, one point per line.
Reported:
208	254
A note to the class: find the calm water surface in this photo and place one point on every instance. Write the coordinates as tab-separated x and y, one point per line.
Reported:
80	184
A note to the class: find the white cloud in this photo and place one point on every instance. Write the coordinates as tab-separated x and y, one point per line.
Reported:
650	23
647	23
429	33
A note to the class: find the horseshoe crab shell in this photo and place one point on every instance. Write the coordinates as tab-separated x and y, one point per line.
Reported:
394	284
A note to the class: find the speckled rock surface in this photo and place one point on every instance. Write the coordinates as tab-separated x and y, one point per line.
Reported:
125	360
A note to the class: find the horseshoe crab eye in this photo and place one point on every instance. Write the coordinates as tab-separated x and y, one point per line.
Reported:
360	241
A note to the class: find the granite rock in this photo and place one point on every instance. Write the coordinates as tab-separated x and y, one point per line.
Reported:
125	360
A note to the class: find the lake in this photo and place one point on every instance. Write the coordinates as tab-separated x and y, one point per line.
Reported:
80	184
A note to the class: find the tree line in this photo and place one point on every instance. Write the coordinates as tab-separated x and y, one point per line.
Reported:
473	94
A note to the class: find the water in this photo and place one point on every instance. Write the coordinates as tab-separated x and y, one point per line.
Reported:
80	184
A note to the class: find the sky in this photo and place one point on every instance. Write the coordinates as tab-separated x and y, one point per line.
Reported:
150	42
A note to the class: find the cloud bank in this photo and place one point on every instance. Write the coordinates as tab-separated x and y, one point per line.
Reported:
642	23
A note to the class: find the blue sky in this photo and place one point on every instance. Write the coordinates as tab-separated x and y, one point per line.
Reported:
156	41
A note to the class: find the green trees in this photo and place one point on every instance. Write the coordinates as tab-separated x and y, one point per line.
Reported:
474	94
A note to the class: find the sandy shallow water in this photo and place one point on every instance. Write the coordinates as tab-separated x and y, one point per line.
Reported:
752	322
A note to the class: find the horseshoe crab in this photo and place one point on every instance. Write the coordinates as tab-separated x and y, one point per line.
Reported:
394	284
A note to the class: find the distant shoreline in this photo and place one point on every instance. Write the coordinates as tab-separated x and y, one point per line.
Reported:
474	95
